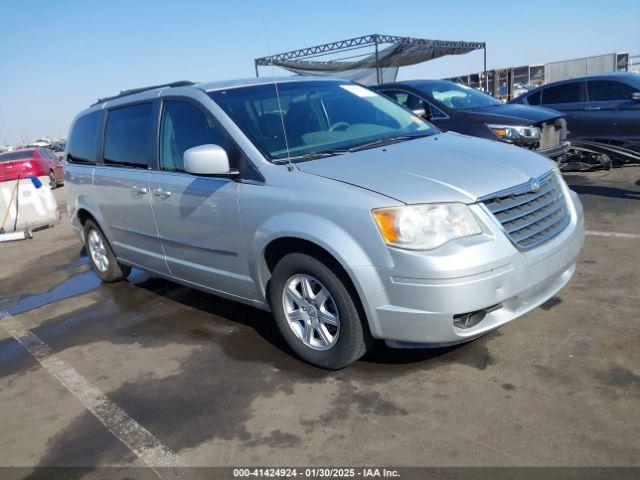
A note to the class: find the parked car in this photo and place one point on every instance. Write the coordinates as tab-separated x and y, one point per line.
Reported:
37	162
462	109
602	108
57	148
362	221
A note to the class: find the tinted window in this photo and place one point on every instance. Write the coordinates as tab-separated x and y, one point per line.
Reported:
608	90
534	98
436	112
46	153
184	126
406	99
19	155
84	139
126	137
413	102
566	93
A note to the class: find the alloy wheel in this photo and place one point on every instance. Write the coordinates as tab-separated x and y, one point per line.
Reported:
311	312
98	251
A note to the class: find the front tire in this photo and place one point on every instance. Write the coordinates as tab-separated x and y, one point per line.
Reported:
102	258
315	312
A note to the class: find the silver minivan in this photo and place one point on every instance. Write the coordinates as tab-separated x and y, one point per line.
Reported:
347	216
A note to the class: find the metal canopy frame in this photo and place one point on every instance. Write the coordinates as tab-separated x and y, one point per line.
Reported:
374	40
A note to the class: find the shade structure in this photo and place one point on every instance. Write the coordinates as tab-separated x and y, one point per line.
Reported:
370	68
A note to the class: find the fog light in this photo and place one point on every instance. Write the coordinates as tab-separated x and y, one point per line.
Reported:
471	319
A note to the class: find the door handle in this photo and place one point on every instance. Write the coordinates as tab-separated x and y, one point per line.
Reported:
136	190
162	193
592	109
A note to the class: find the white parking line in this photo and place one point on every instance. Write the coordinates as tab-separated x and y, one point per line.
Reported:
612	234
137	438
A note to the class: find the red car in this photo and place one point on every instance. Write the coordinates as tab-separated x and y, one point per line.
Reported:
35	162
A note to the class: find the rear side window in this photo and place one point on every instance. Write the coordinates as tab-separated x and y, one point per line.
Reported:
184	126
534	98
126	137
566	93
608	90
84	139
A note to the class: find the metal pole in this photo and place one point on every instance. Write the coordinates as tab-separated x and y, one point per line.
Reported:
378	76
255	63
486	80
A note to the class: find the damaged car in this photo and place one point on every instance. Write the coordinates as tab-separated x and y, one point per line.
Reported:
603	117
601	108
458	108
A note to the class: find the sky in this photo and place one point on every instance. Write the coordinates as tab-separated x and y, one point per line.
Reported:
58	57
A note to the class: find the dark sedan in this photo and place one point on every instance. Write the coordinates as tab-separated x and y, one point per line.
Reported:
602	108
463	109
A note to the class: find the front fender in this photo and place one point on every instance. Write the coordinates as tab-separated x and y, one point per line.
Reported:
322	232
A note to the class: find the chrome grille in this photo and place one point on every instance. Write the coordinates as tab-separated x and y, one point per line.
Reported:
531	215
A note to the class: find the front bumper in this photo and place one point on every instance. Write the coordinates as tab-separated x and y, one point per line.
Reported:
556	151
415	301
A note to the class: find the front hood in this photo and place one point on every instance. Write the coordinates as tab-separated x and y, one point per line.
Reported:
513	114
447	167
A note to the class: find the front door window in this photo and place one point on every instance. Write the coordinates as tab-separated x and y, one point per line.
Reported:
184	126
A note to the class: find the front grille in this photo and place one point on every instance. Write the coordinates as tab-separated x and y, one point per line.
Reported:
531	215
553	134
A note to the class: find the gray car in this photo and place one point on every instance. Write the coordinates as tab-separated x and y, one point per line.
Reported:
346	215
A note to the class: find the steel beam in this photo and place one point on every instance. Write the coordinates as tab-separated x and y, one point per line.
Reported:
361	42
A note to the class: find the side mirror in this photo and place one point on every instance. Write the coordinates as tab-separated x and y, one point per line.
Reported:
207	160
635	96
422	113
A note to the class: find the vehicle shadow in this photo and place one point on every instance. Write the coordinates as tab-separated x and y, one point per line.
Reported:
263	324
258	320
382	354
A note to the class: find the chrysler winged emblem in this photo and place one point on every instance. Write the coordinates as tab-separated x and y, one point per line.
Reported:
535	186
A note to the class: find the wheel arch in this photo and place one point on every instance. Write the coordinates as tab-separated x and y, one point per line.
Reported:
84	209
84	215
277	248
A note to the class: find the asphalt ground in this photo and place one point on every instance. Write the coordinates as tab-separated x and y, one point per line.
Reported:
148	371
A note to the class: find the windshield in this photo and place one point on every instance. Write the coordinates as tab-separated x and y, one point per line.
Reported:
318	117
458	97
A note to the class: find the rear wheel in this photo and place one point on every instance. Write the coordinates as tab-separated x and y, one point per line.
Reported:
52	180
315	313
103	260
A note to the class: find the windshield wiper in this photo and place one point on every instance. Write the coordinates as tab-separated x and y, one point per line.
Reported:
311	156
365	146
389	140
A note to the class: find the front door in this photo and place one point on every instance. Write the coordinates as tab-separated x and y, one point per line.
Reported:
197	217
121	186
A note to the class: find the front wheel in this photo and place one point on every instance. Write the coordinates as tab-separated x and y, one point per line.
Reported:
315	313
103	260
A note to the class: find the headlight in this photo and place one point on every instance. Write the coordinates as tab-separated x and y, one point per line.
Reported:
425	227
513	132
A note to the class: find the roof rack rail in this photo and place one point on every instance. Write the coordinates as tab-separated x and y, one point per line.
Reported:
124	93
